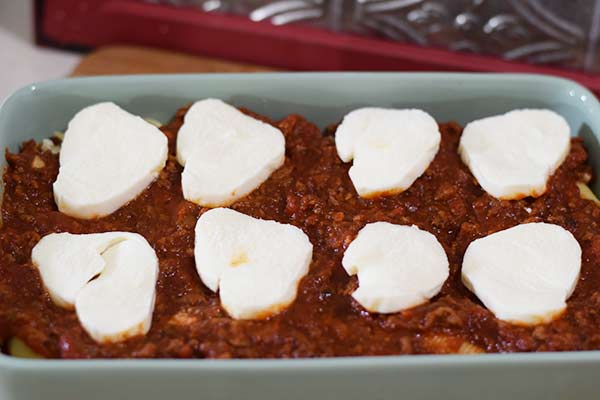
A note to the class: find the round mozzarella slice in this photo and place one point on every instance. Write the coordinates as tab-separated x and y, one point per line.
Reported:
398	266
524	274
119	303
225	153
107	158
513	155
391	148
255	265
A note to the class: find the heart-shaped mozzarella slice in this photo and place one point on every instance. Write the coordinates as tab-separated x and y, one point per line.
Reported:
67	262
119	303
255	265
398	266
513	155
225	153
524	274
108	157
391	148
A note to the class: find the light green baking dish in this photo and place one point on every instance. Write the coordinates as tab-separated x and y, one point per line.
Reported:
36	111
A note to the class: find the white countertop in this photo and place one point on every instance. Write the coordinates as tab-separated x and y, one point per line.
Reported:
22	62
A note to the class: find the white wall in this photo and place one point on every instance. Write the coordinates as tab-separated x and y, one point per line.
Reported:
21	62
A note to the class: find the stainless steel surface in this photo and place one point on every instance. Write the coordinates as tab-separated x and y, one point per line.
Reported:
562	33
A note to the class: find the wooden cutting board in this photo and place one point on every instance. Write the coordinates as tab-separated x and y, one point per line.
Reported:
113	60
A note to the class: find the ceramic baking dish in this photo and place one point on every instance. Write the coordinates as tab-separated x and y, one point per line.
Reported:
36	111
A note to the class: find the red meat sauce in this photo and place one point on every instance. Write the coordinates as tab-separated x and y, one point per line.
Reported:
312	191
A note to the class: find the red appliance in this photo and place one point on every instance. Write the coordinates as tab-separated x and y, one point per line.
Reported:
80	24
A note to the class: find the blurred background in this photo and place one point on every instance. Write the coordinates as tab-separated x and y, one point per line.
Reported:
45	39
22	62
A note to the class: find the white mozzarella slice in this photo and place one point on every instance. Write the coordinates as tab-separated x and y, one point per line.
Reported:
524	274
120	302
117	304
255	265
67	262
513	155
107	158
225	153
398	266
391	148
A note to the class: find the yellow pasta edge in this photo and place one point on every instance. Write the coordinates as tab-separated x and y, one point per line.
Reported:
18	348
154	122
469	348
586	193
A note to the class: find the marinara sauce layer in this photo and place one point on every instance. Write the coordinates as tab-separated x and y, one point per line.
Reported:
312	191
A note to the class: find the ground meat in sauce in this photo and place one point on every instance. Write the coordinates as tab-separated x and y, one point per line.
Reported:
312	191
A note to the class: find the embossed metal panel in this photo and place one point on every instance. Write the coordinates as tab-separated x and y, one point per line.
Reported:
561	33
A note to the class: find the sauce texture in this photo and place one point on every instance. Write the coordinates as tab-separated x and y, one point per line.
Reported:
312	191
